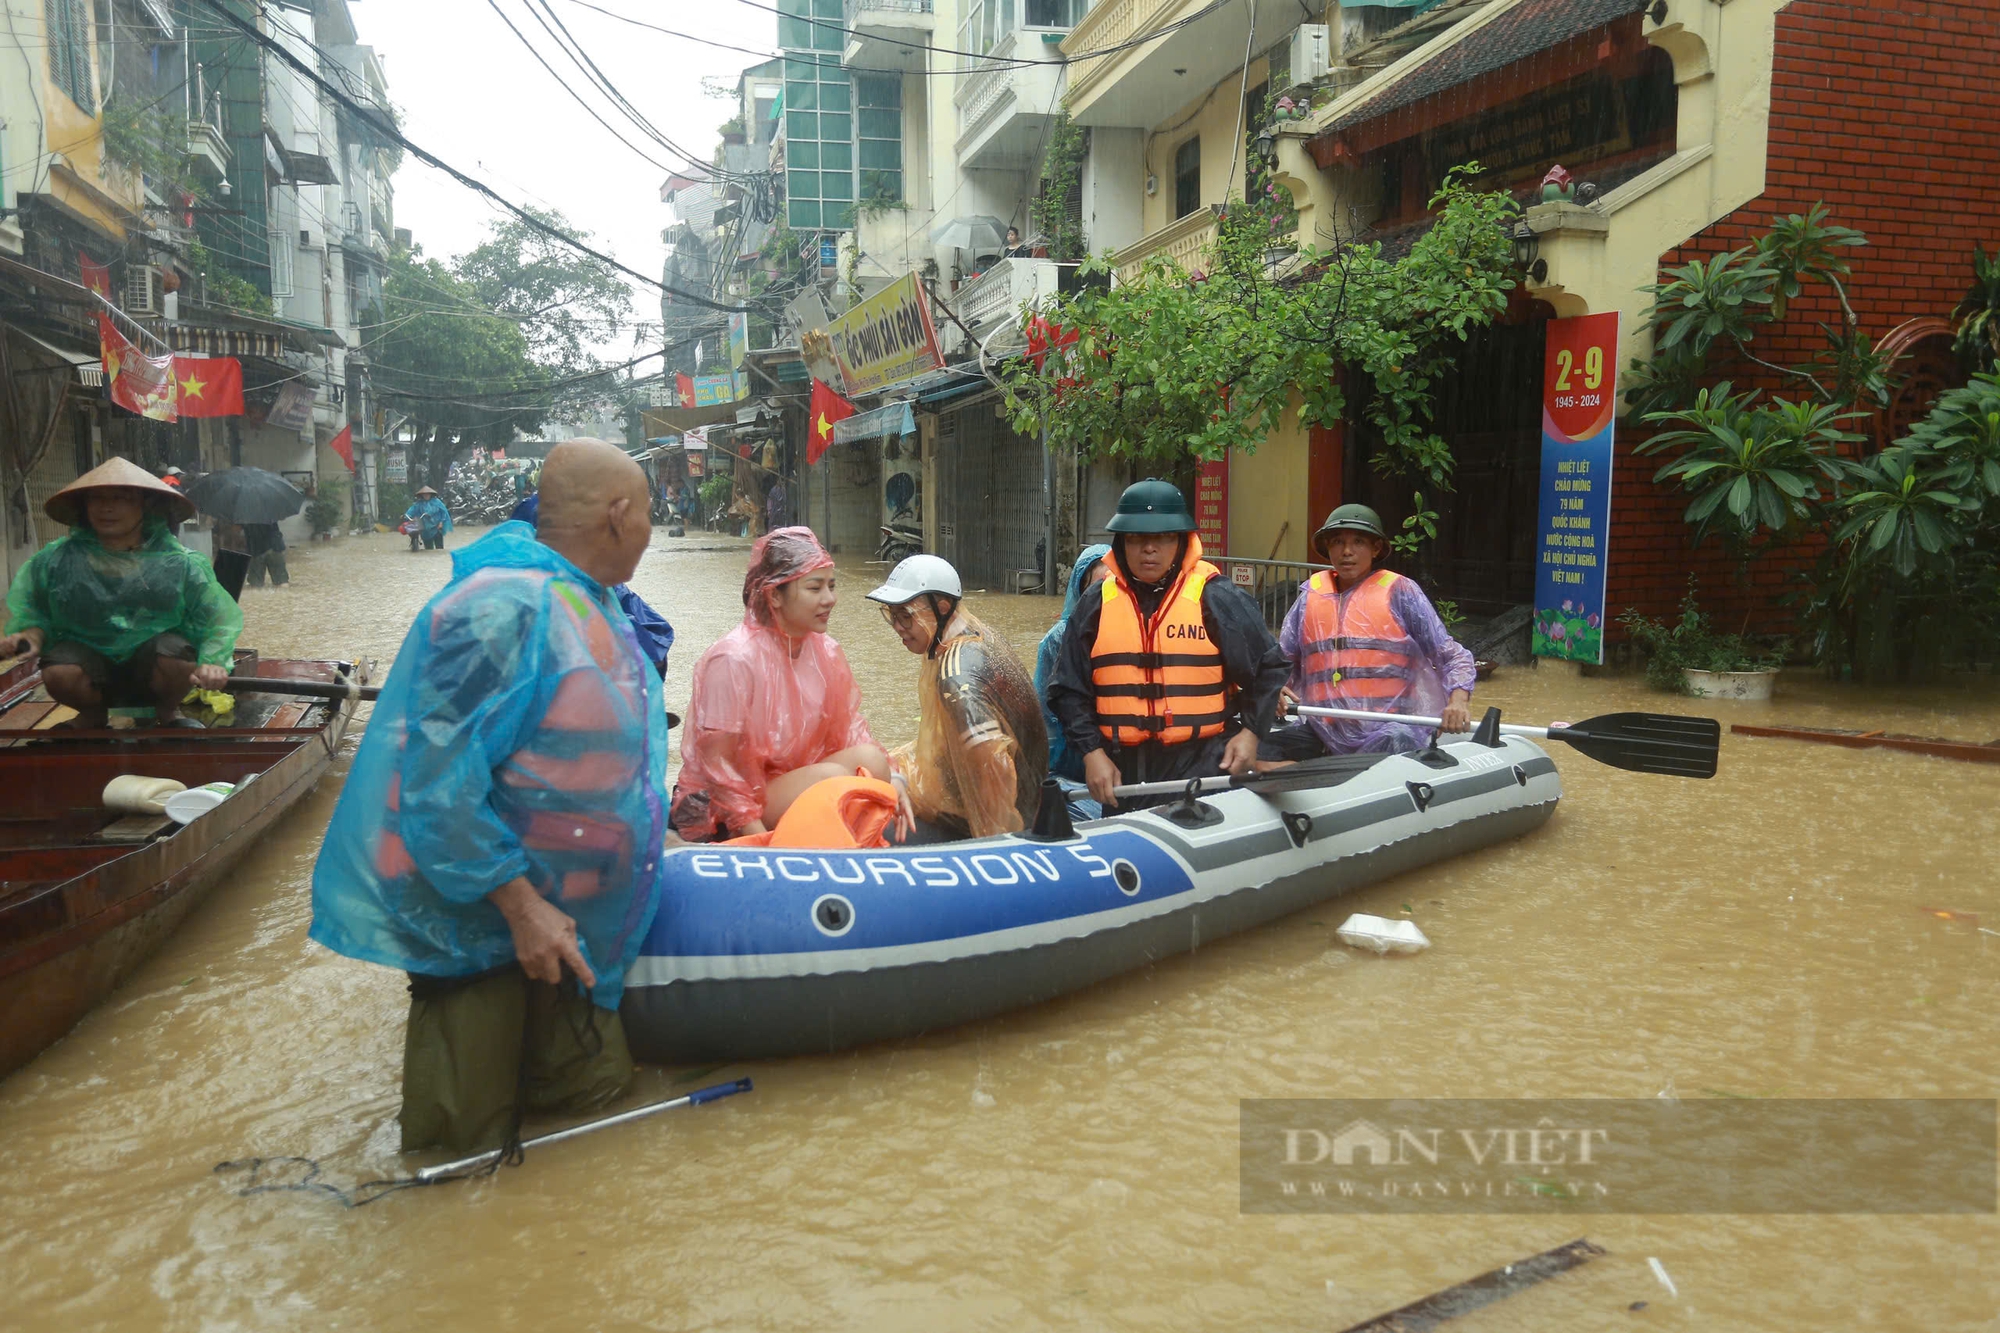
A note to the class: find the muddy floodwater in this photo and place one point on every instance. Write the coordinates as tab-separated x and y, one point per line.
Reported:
1075	1165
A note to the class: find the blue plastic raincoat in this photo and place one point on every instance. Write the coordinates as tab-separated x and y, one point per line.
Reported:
1064	761
656	636
430	516
521	732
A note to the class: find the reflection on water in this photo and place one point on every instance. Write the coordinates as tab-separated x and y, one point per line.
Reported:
1074	1165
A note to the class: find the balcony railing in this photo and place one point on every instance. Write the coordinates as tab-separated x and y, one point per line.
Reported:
1181	241
1000	293
1109	23
857	9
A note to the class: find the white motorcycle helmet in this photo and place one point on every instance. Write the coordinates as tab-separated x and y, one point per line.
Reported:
924	576
917	575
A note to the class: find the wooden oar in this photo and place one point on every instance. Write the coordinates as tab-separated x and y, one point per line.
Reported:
310	689
1664	743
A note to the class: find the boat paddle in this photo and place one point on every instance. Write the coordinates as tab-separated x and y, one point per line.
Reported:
466	1166
261	1170
310	689
1663	743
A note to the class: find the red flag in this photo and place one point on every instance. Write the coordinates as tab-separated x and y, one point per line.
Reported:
684	387
343	444
210	386
95	275
827	408
138	383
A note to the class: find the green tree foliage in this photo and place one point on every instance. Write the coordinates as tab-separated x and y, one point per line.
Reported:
566	303
462	375
1907	576
1707	310
1178	366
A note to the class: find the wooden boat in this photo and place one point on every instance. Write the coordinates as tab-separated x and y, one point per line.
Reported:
86	895
1935	746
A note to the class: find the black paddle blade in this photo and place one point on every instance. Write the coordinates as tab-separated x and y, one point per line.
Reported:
1676	747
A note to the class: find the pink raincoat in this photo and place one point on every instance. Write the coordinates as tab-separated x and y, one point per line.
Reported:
758	712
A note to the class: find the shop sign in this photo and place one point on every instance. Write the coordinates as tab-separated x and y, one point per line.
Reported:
717	390
1579	391
395	467
1579	121
1211	505
887	339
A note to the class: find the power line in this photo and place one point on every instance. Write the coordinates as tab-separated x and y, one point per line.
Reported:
431	159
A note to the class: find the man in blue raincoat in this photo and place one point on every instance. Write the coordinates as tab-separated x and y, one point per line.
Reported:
499	837
656	636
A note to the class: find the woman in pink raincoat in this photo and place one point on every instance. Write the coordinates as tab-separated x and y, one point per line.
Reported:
775	706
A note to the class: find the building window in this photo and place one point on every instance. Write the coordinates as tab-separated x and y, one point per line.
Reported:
68	28
1063	14
819	116
281	263
1187	177
879	125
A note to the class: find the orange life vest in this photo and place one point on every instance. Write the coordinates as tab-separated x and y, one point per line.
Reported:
833	812
1161	680
1352	648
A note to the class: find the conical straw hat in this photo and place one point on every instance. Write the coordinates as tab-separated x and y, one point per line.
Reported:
66	505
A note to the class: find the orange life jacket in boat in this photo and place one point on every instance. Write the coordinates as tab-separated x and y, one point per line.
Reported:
1158	680
1352	649
833	812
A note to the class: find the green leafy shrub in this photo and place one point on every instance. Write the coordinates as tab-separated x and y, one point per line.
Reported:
1692	643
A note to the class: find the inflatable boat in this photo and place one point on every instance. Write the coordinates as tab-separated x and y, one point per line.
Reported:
762	952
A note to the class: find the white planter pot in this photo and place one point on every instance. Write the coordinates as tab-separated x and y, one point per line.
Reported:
1749	686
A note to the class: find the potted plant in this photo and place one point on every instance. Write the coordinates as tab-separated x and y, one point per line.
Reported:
1689	656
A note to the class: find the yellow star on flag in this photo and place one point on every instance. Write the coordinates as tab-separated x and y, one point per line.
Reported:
192	387
825	426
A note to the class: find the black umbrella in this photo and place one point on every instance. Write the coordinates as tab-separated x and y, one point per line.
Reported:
246	495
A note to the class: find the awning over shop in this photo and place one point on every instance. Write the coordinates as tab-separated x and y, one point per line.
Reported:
1482	65
680	420
89	367
890	419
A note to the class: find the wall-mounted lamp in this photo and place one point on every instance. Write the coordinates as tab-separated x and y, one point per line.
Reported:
1526	253
1266	144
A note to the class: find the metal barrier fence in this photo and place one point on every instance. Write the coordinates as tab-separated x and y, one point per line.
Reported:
1273	583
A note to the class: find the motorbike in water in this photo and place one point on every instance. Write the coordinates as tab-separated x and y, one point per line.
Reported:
899	542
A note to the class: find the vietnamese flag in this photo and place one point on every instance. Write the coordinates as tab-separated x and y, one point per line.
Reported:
343	444
95	275
828	407
210	386
143	385
684	386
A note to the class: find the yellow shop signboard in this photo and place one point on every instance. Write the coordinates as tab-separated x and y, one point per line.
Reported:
887	339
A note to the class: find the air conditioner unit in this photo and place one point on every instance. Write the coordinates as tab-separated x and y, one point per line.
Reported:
1311	52
144	294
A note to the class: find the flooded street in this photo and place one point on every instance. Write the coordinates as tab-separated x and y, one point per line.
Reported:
1075	1165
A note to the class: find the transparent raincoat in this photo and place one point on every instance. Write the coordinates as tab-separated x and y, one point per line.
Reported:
758	712
76	591
1064	761
1441	665
521	732
982	748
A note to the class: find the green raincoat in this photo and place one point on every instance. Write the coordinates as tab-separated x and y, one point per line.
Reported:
76	591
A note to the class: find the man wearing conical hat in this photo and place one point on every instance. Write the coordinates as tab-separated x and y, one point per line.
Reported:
120	613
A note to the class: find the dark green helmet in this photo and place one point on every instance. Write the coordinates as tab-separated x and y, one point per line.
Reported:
1356	518
1151	505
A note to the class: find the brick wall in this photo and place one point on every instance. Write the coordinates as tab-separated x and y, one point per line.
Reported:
1888	114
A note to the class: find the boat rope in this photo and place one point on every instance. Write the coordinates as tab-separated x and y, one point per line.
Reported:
264	1170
